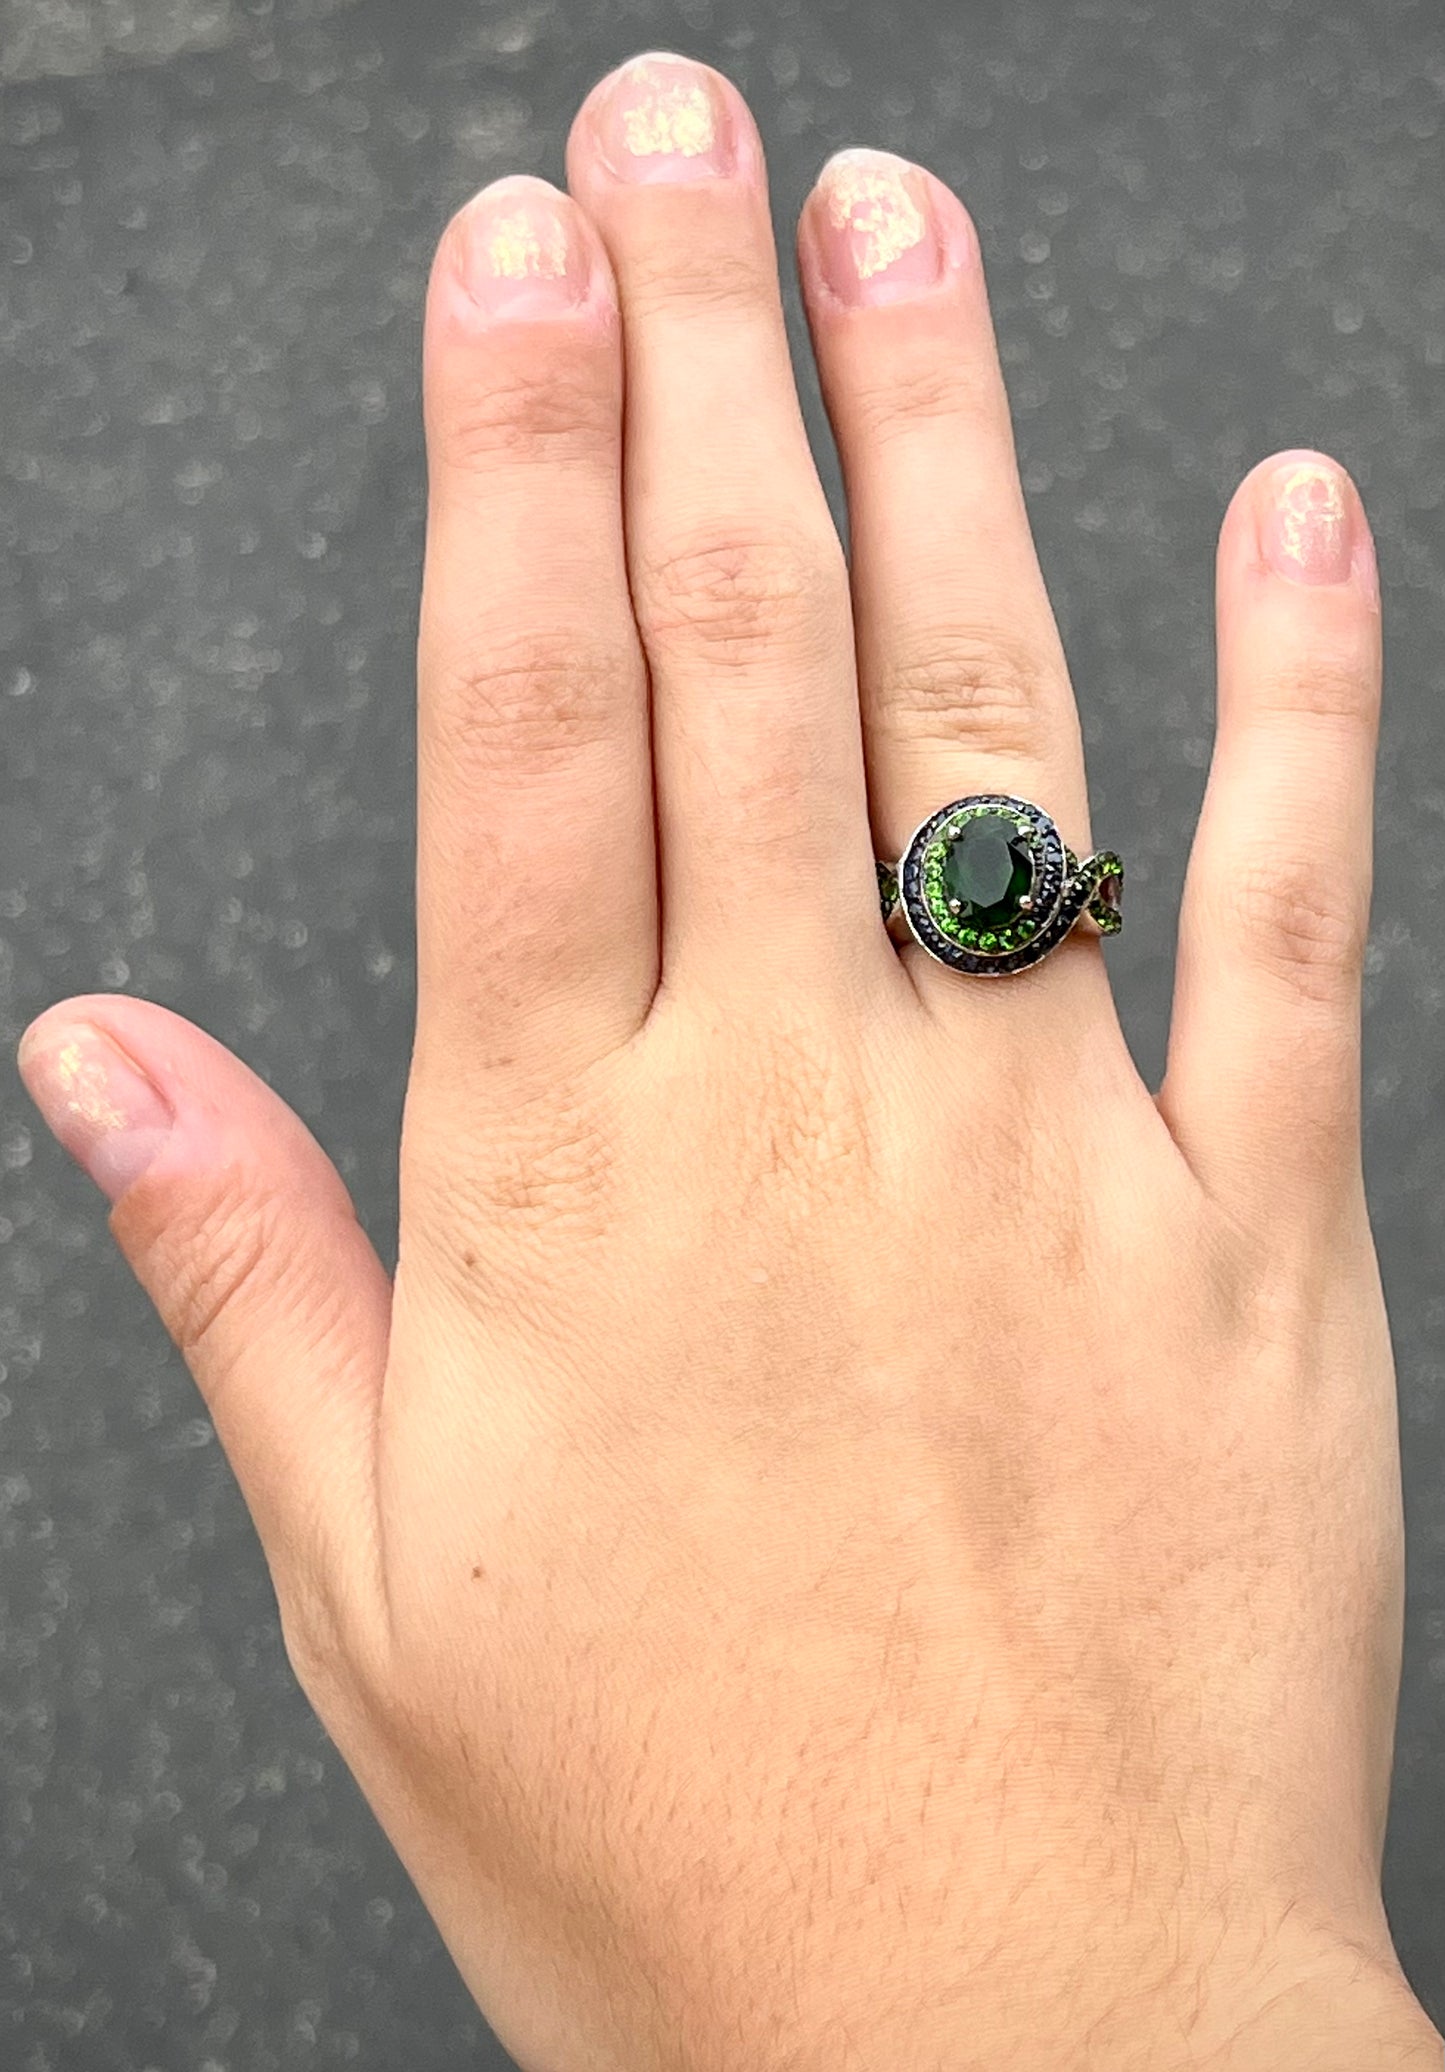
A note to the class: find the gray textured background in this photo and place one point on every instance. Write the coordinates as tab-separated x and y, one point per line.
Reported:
1210	231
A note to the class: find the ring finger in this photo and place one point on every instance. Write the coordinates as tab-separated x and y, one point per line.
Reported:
962	673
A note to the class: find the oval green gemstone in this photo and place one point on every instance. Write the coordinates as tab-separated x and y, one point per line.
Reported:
988	867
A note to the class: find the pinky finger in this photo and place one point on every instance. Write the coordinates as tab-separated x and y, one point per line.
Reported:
1262	1087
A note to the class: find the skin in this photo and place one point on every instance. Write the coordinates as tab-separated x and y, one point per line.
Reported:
859	1535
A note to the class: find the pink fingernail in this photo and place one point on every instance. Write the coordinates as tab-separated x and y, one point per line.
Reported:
1306	518
877	233
96	1100
662	117
523	251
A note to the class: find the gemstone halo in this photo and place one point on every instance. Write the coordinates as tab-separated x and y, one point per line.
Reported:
981	883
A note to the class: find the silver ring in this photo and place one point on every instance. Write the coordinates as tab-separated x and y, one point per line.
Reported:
988	886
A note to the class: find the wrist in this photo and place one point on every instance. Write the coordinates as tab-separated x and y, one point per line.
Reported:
1356	2013
1362	2035
1313	1996
1301	2006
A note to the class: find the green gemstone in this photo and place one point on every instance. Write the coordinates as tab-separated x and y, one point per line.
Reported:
1107	903
988	867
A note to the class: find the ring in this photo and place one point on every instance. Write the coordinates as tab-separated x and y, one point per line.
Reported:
987	885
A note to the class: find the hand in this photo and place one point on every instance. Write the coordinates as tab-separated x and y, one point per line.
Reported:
859	1535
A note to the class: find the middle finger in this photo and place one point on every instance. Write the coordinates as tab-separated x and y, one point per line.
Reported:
738	577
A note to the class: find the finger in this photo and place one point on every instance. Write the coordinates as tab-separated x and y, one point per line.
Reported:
243	1234
738	577
537	928
962	676
1262	1087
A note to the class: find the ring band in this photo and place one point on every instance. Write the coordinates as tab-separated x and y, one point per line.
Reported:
988	886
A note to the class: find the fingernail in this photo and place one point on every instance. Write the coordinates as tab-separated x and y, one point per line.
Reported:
96	1100
1306	522
877	232
523	251
662	117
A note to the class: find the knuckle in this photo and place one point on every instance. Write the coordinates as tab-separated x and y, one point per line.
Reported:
812	1140
923	388
558	405
537	701
740	593
207	1259
1330	685
334	1653
561	1182
314	1635
550	1167
807	1134
991	688
1302	922
701	277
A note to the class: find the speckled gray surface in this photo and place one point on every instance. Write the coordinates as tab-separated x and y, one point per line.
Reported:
1210	232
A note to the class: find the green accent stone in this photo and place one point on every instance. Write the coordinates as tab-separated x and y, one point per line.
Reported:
1107	902
988	867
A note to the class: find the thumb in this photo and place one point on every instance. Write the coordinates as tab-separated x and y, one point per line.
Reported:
243	1234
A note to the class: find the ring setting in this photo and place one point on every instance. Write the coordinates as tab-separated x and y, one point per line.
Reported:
988	886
